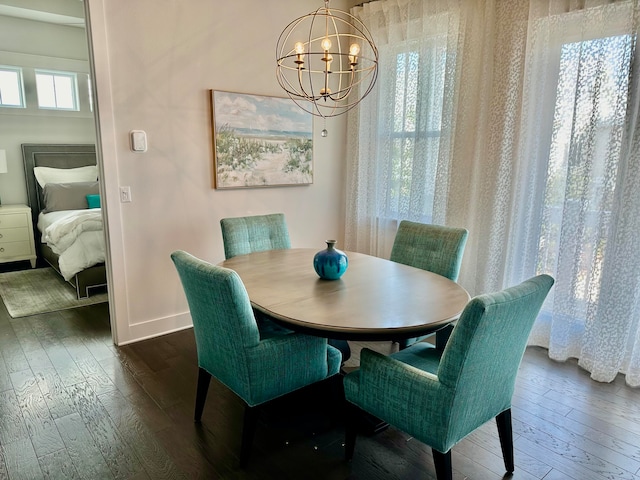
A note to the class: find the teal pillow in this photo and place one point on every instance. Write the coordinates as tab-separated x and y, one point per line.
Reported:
93	201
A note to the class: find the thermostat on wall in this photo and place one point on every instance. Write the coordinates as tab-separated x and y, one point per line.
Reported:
138	140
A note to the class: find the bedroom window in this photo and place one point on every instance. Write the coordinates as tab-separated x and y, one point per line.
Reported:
11	87
57	90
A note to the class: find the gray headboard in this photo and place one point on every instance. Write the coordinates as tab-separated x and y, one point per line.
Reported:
51	155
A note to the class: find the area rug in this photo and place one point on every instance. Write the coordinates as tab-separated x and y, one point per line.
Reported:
40	290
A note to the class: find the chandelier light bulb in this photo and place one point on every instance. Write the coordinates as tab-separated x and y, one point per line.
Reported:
326	44
354	50
299	48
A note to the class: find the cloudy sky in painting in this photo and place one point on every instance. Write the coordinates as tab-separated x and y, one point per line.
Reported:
259	113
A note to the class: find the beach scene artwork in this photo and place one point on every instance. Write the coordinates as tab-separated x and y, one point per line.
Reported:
260	141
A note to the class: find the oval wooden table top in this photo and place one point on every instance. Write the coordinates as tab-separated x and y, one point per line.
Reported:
375	299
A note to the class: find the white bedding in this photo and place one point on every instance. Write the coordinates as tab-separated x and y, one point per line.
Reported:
76	236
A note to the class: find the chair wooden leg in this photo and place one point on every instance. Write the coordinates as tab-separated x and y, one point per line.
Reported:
351	429
442	462
505	432
204	378
248	431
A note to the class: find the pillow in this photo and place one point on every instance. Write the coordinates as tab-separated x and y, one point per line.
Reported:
68	196
93	200
46	175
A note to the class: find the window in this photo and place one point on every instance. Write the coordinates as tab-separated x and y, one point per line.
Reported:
588	121
416	117
11	89
57	90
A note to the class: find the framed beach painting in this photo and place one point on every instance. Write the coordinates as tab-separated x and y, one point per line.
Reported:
260	141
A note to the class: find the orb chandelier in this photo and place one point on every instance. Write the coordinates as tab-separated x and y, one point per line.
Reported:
326	61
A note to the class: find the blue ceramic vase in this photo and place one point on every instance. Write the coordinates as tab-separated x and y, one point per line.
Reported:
331	263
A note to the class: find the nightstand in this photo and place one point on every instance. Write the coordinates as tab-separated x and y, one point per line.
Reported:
16	234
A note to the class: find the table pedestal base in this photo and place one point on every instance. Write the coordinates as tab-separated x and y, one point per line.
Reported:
343	346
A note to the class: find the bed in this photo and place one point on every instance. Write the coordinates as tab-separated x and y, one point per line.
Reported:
69	234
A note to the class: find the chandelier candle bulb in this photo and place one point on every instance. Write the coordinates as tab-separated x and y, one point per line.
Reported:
300	54
354	50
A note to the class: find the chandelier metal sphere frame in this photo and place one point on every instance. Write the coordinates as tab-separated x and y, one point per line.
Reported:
327	61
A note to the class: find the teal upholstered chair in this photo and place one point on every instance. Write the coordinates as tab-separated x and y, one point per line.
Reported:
435	248
257	233
439	397
229	346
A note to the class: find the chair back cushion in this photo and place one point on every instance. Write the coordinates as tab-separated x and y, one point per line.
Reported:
223	321
435	248
243	235
482	356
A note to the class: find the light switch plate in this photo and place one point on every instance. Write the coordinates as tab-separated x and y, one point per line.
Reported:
125	194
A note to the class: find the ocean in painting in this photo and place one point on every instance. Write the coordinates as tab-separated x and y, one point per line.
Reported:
270	134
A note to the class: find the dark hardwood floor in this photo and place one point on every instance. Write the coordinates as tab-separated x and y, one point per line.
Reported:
72	405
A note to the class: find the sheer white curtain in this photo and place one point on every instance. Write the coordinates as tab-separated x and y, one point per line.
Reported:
400	137
536	107
578	210
447	165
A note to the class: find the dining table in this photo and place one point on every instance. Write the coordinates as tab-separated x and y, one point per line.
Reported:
375	299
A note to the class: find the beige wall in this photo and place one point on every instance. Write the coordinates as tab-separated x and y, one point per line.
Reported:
155	62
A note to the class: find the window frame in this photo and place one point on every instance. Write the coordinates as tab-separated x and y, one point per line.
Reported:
20	85
73	91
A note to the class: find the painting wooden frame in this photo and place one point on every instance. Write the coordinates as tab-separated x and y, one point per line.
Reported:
260	141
